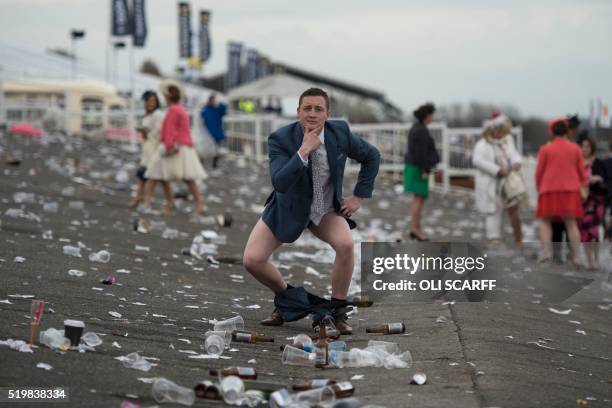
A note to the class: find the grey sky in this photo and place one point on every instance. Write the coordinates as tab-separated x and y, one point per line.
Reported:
546	57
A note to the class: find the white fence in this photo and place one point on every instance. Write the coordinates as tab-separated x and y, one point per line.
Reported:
247	135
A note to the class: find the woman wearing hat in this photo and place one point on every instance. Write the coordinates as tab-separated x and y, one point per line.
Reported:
420	158
496	161
150	128
176	159
560	176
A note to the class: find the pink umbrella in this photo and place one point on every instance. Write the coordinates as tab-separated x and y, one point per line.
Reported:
25	129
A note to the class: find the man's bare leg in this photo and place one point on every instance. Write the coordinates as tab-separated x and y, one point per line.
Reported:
261	244
334	230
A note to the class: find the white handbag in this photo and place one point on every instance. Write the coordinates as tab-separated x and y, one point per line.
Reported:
513	188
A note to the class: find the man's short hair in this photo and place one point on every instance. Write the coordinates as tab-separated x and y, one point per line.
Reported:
315	92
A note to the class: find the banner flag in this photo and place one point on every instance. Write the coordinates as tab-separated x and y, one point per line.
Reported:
205	49
139	23
233	64
120	19
184	24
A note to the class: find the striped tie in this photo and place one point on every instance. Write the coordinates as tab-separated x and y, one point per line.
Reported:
317	183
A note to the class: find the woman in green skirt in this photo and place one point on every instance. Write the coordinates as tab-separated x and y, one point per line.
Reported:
421	156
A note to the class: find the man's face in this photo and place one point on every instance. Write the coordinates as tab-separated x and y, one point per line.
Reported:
312	112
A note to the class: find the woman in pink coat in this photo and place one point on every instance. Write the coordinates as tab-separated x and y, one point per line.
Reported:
559	178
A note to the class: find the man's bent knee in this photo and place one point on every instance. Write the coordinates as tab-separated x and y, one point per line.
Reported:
252	261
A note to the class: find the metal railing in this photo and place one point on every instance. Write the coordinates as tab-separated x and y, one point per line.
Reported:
247	135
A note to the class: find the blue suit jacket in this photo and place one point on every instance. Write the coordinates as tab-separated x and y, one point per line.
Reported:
287	210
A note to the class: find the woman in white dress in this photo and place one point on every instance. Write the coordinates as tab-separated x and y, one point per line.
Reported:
175	159
495	158
150	128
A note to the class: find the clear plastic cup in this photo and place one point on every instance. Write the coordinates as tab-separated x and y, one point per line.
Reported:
295	356
102	256
232	387
280	398
303	341
312	397
214	345
91	339
226	335
166	391
230	325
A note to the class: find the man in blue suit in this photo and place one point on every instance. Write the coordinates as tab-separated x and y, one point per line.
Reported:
307	160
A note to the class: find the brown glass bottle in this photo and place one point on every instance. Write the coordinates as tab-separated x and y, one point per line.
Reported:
208	390
322	350
246	373
389	328
343	389
312	384
245	337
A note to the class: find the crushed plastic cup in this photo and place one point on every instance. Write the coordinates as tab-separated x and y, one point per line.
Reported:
388	346
136	361
226	335
77	273
165	390
298	357
252	398
23	198
76	205
51	207
214	345
54	339
102	256
170	233
232	387
403	360
91	339
68	191
230	325
72	251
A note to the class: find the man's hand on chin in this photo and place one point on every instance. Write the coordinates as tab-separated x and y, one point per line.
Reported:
350	205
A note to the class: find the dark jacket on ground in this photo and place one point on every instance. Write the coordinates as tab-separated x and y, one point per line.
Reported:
421	149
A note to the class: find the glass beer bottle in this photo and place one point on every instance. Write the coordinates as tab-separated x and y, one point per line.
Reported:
246	373
389	328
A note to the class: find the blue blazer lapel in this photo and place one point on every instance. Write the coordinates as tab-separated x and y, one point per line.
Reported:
332	153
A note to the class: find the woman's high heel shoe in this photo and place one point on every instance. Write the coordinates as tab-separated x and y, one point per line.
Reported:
414	236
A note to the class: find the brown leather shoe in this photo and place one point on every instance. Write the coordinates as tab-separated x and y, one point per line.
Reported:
275	319
343	327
